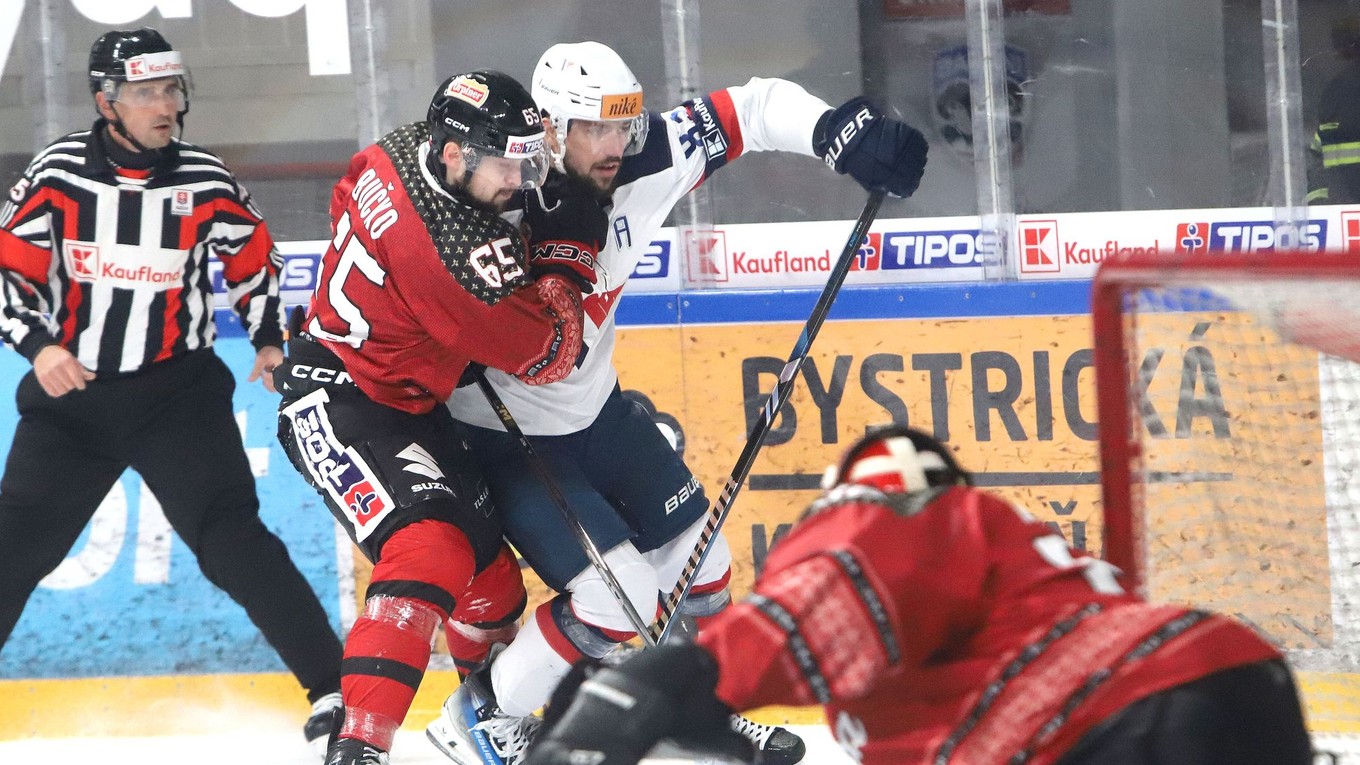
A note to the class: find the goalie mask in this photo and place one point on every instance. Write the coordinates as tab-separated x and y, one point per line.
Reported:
895	459
588	81
489	114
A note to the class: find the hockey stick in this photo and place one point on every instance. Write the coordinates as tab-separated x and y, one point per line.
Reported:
718	513
578	530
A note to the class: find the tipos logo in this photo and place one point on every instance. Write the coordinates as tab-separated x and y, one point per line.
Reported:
1192	237
364	502
869	256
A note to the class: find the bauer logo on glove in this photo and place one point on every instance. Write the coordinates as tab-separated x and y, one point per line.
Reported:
847	133
879	152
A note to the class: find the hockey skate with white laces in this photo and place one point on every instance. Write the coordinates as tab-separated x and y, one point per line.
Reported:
352	751
776	745
472	730
322	726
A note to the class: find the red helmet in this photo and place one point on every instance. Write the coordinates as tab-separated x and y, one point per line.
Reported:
896	459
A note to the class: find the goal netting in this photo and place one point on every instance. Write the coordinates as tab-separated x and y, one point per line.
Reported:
1229	395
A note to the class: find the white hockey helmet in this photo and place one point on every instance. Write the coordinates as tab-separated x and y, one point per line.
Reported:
588	81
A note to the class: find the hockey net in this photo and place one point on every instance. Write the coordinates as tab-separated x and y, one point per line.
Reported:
1229	395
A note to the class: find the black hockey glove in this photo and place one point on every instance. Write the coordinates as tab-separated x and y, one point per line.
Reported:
878	151
565	223
470	373
615	715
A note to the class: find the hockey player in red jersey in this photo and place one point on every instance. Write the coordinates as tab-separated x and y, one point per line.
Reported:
938	623
634	495
422	278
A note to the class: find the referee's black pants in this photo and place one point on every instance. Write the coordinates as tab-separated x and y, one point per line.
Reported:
174	425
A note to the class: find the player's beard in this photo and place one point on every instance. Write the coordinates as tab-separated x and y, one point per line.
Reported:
586	179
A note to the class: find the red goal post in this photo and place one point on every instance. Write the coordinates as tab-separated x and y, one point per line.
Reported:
1228	388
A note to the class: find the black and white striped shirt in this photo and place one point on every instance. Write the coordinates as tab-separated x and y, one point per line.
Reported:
112	263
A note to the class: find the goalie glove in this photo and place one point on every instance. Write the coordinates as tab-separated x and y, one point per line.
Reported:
879	152
615	715
565	224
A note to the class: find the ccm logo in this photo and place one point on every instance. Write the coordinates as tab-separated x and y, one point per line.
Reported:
321	374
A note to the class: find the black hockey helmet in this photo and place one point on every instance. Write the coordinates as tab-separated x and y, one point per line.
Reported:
130	55
896	459
488	113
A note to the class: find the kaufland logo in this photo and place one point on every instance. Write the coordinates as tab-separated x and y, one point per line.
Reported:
150	66
125	267
1039	248
1350	232
780	262
1249	236
710	247
1077	255
82	261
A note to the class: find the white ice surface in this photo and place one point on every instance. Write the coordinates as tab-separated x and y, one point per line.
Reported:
244	747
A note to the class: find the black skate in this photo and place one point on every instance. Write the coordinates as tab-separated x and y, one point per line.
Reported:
777	746
352	751
328	714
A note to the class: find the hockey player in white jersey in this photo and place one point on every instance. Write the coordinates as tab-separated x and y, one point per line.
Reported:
621	477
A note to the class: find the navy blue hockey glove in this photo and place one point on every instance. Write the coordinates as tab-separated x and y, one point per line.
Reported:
614	715
565	223
879	152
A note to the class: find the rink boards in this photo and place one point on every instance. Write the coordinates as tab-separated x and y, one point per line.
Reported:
1004	371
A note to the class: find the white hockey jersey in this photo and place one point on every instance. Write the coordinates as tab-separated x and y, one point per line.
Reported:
684	147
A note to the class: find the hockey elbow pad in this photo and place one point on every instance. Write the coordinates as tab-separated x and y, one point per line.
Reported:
565	342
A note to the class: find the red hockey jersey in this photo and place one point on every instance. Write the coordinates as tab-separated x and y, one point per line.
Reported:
966	632
417	283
